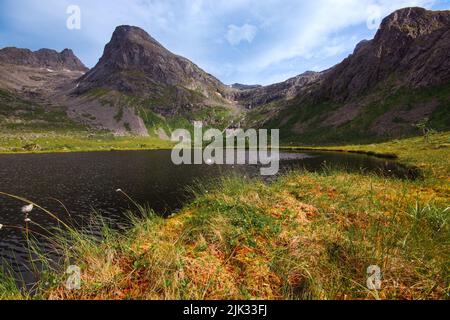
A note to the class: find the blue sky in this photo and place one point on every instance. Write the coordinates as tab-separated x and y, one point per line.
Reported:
245	41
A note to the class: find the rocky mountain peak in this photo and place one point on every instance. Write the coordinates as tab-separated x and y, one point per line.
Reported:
412	44
414	22
133	47
43	58
132	34
135	63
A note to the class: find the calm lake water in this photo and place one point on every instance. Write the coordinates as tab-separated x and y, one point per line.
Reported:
83	182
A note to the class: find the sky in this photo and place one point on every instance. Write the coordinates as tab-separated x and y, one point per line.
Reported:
243	41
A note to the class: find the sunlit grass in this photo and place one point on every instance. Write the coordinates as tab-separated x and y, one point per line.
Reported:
431	155
305	236
8	287
76	142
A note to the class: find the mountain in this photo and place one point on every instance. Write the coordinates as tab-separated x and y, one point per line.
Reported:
412	44
385	87
133	62
136	74
380	91
29	82
44	58
136	64
258	96
38	74
240	86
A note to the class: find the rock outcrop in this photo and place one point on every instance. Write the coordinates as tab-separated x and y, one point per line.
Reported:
381	91
136	64
289	89
411	49
43	58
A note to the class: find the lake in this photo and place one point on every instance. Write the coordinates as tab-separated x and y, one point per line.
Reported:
73	185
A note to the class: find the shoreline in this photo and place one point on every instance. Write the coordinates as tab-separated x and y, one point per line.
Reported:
81	151
320	149
388	156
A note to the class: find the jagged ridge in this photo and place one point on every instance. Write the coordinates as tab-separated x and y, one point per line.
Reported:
135	63
43	58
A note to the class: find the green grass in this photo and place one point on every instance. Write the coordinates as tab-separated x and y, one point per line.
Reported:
430	155
48	142
304	236
246	240
8	287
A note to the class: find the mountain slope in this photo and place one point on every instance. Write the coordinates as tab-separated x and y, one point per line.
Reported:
286	90
381	91
412	44
134	62
29	82
137	75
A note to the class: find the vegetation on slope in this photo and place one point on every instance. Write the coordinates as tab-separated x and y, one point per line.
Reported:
161	114
18	116
28	127
379	116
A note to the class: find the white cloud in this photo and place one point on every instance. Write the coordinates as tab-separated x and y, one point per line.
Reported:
305	32
236	35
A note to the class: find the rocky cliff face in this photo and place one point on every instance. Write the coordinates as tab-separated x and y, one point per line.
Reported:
44	58
382	90
411	48
254	97
136	64
242	87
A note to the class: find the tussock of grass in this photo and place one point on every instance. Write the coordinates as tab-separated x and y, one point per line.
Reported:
305	236
8	287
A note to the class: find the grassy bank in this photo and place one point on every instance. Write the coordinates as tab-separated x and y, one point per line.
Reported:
303	236
75	142
431	155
